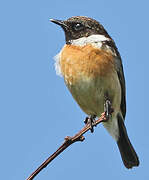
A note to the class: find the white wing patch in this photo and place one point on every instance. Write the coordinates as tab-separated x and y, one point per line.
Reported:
57	64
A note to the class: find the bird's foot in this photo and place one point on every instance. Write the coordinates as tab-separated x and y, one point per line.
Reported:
90	120
108	110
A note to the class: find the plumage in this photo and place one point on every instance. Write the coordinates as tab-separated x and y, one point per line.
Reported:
92	69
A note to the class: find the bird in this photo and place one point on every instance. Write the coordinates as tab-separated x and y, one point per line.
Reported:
91	66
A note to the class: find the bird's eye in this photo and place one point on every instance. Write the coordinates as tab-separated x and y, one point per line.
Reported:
77	27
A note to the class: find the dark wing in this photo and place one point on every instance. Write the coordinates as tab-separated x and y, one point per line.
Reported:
120	73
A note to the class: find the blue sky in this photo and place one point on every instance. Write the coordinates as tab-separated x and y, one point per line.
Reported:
36	109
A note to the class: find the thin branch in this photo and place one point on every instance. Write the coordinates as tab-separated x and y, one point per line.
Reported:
68	141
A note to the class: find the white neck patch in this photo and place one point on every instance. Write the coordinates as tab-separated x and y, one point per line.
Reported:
93	39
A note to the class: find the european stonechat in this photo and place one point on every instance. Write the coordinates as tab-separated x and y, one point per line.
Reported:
92	69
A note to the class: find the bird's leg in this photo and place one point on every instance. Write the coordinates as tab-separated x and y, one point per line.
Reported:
90	120
108	109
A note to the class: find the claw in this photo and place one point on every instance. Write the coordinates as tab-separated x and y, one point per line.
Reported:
91	121
108	109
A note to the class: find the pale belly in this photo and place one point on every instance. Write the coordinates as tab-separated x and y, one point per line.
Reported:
90	93
91	78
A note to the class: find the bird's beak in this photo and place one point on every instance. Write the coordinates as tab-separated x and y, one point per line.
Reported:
59	22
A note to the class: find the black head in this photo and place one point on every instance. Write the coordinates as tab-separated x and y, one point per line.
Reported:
80	26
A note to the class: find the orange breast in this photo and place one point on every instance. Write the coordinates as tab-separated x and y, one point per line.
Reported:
87	61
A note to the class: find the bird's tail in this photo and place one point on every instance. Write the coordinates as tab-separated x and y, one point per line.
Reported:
126	149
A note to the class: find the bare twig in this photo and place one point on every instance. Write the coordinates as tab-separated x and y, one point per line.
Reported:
68	141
